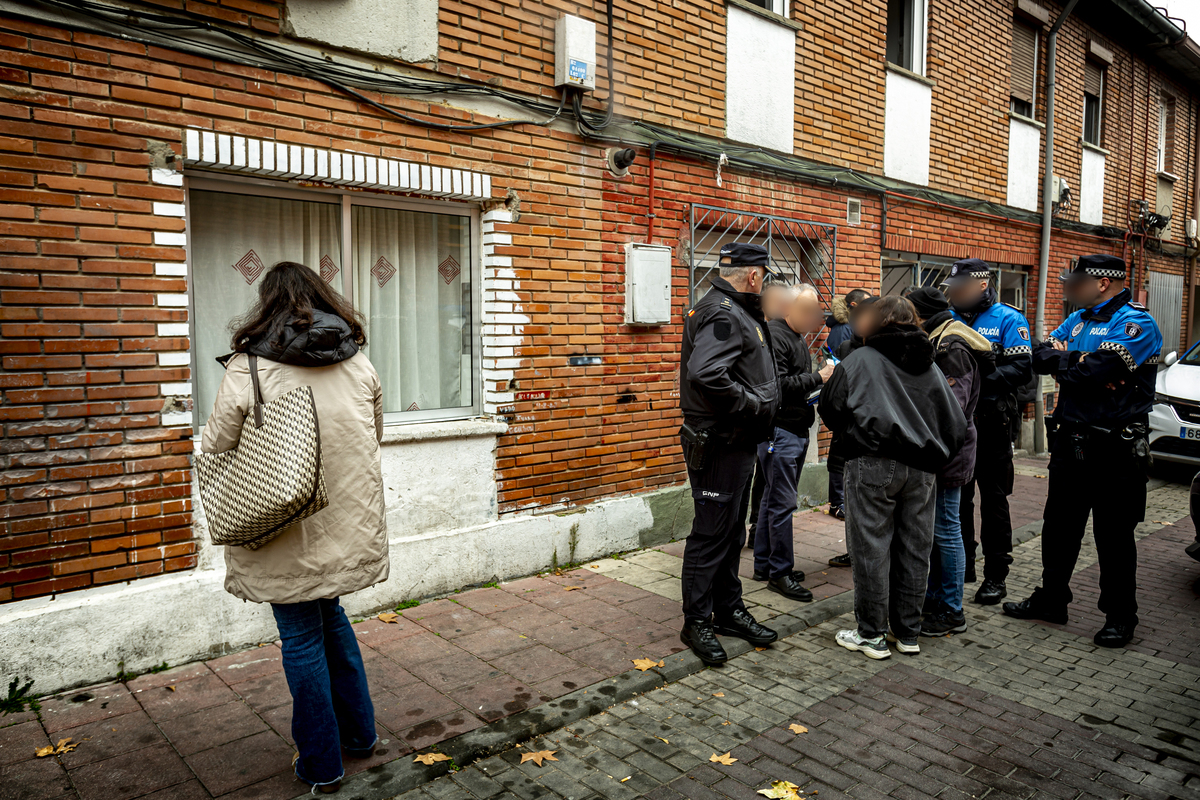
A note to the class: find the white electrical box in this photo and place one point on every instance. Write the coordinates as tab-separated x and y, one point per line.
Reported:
647	284
575	53
1190	229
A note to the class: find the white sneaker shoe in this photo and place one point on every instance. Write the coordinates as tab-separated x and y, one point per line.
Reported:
874	648
907	646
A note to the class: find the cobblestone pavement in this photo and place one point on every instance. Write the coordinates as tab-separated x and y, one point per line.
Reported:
1008	709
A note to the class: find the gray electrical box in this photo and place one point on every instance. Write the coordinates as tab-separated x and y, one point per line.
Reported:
647	284
575	53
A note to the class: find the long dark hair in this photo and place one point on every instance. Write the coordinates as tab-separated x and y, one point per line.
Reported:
289	293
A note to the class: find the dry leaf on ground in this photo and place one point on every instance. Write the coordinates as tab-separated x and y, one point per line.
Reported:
571	588
794	728
661	739
42	752
171	687
430	758
760	649
647	663
63	746
718	694
782	790
539	756
725	759
388	616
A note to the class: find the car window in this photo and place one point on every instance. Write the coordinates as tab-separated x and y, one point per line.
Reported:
1192	356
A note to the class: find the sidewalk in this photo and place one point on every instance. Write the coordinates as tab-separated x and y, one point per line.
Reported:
445	668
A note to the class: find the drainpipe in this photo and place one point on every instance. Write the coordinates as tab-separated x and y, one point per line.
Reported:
1191	262
1039	407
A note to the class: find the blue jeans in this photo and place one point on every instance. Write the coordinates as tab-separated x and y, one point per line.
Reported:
780	461
331	707
948	560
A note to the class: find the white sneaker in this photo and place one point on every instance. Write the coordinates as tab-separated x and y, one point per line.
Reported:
873	648
906	646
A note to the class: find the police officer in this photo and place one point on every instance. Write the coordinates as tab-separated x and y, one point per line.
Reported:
975	303
728	394
1105	359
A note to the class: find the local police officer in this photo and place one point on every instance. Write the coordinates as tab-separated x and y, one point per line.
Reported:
975	302
728	393
1105	359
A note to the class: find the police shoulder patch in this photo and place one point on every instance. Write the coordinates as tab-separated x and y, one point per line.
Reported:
1077	329
726	303
722	329
1023	333
1133	329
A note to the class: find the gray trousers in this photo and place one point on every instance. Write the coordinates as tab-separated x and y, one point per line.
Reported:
889	528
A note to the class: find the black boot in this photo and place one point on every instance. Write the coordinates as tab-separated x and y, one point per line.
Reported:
789	586
703	640
744	626
1036	607
991	591
1115	634
969	574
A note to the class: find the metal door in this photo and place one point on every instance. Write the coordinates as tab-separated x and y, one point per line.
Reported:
1165	303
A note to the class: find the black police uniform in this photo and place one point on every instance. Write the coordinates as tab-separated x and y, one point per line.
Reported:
728	393
1008	331
1099	427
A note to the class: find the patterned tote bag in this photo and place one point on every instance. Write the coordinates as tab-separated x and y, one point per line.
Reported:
272	479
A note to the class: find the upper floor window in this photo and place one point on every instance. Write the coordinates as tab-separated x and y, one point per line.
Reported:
1093	102
1166	130
906	34
1023	85
774	6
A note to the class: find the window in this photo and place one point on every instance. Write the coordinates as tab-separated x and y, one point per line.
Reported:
774	6
1023	84
1093	98
408	266
1166	128
906	34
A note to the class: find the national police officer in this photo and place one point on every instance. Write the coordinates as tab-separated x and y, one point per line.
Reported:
1105	359
728	394
975	302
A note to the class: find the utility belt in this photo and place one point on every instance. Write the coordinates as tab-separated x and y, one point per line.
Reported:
1082	440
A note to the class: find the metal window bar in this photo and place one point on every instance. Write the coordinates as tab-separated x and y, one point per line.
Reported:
1013	284
803	251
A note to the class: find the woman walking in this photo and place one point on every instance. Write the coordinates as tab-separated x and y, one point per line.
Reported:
305	334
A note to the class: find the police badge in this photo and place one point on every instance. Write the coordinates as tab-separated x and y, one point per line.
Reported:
1132	329
1077	329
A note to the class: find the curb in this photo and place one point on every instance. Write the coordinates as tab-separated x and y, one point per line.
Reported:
385	781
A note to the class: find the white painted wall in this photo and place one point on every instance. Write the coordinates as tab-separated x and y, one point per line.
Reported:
760	78
1024	147
906	129
403	29
1091	188
444	533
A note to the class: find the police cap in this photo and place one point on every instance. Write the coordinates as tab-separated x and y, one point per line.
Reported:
966	269
742	254
1097	266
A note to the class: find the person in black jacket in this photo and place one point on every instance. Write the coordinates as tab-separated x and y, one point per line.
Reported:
776	296
781	457
900	424
728	394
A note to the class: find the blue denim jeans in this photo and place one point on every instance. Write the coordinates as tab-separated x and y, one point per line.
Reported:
331	707
780	461
948	559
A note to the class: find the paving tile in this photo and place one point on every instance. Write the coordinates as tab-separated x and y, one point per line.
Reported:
656	609
495	698
493	641
109	737
177	699
212	727
241	763
536	664
526	618
602	616
34	779
460	669
18	742
191	790
567	682
439	729
87	705
418	649
280	720
265	693
283	786
384	673
414	704
153	680
609	658
455	622
643	632
248	664
131	774
430	608
489	600
373	632
567	635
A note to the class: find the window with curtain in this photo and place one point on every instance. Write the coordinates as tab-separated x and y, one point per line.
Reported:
1023	82
234	238
410	270
1093	93
905	34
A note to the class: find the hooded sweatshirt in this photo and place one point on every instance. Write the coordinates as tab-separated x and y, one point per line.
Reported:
838	323
964	357
888	399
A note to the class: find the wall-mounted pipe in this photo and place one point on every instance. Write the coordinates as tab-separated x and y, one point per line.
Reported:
650	205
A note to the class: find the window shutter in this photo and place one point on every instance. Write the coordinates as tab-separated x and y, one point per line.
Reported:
1024	61
1091	78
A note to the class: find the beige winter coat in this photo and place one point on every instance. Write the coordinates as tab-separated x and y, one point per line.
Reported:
343	547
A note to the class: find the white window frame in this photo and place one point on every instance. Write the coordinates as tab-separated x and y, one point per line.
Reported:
1100	113
233	184
919	9
1161	157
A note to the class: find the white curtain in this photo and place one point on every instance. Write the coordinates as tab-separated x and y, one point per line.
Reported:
411	273
234	239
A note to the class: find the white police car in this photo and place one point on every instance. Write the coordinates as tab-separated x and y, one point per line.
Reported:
1175	419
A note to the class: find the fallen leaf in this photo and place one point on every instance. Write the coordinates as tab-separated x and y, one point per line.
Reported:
430	758
171	687
782	790
664	741
725	759
647	663
594	566
718	694
539	756
571	588
42	752
388	616
759	649
65	746
794	728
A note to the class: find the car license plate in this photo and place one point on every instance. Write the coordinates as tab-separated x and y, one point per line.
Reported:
1189	433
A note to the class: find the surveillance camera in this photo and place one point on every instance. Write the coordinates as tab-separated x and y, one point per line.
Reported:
619	160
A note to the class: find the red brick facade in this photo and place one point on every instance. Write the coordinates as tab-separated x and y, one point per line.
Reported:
96	486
